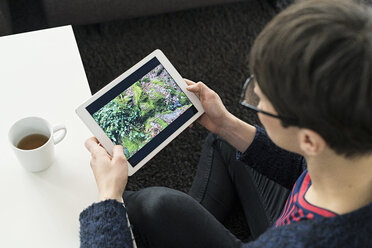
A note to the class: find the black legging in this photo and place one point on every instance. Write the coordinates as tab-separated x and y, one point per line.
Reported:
163	217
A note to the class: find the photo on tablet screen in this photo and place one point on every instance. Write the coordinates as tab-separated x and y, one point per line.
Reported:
142	111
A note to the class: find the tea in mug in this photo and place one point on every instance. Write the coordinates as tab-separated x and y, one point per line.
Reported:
32	141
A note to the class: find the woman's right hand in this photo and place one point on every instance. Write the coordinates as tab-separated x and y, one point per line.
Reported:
216	114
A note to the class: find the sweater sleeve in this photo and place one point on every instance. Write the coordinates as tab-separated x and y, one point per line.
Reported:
263	155
105	224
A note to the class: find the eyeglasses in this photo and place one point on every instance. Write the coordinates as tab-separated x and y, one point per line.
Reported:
249	99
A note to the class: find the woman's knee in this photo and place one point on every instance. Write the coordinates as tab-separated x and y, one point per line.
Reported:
154	206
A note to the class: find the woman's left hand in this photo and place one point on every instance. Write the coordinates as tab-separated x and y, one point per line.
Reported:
111	173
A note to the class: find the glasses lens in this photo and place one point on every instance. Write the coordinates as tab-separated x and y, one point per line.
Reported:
248	96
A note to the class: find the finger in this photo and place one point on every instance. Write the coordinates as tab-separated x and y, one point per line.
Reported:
90	143
188	81
203	90
93	146
193	88
118	155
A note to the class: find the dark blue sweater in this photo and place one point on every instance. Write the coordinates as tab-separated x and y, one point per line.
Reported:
104	224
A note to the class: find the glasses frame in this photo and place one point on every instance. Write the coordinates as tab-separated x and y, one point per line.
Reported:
286	120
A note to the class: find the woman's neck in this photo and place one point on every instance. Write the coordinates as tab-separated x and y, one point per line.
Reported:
339	184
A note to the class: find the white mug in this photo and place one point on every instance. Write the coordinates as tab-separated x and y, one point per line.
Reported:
42	157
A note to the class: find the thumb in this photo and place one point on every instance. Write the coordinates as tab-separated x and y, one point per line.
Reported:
118	154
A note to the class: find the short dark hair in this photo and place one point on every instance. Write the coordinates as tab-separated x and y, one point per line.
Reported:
313	61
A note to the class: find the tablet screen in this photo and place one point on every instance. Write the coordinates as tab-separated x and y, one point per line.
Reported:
142	111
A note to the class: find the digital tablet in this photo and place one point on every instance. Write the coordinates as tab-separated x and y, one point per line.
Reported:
143	109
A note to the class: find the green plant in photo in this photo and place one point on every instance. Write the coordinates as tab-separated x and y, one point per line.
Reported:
137	92
129	146
146	80
146	107
162	123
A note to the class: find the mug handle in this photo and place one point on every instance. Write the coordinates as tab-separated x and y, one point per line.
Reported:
61	135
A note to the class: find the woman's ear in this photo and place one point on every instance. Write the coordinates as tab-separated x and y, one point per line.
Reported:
311	143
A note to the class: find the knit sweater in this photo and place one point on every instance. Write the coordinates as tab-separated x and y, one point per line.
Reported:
104	224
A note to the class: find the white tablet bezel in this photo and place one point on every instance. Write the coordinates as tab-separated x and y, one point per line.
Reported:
101	135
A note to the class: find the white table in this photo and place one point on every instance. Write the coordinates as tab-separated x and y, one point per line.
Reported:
41	74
